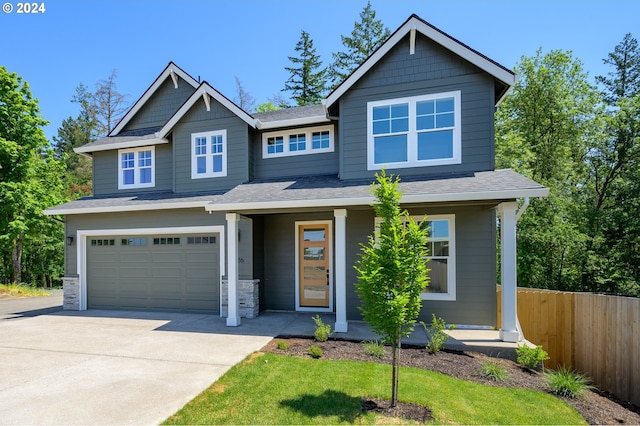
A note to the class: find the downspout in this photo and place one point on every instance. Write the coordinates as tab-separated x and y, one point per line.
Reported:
521	210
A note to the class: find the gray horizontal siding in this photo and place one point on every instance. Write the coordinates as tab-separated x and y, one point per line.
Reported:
198	119
161	106
105	171
431	69
297	165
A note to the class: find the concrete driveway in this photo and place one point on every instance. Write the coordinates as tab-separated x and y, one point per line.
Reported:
112	367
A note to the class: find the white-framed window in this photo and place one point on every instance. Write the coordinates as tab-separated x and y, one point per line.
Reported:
414	131
441	260
284	143
136	168
209	154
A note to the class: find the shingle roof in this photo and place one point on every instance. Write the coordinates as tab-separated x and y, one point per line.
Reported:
291	113
132	202
141	137
318	191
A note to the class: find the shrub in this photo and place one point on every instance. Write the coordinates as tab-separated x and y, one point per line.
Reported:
374	348
493	370
531	358
282	345
437	336
315	351
567	383
323	331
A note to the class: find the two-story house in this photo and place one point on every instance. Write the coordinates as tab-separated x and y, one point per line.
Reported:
200	206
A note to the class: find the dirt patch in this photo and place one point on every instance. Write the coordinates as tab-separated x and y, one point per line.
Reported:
598	408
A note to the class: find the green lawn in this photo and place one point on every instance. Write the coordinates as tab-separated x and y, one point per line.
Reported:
276	389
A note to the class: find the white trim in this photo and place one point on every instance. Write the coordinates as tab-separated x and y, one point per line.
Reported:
136	168
128	208
203	89
412	132
412	41
447	42
120	145
286	134
365	201
341	325
81	248
233	313
297	268
508	269
292	122
169	71
209	155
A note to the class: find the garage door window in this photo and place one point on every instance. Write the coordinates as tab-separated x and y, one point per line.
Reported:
169	241
133	242
202	240
103	242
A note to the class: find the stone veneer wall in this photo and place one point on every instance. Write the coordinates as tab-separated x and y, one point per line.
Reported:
71	293
248	297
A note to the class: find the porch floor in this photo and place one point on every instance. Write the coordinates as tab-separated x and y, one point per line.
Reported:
484	341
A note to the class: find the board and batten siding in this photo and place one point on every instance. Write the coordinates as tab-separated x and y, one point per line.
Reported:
161	106
197	120
431	70
105	171
294	165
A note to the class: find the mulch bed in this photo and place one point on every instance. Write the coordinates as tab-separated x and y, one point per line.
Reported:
598	408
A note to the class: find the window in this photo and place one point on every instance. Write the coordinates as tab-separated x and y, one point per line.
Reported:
209	154
166	241
103	242
313	140
441	258
414	132
202	239
136	168
133	241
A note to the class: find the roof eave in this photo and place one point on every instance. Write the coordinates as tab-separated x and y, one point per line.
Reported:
122	209
88	149
303	121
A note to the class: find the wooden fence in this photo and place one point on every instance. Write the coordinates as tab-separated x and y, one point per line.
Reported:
595	334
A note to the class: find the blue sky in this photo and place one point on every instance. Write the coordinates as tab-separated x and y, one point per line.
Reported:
77	41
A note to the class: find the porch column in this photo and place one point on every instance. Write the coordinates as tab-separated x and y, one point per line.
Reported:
341	325
508	328
233	317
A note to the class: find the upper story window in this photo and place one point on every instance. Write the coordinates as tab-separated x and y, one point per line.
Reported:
136	168
209	154
310	140
414	131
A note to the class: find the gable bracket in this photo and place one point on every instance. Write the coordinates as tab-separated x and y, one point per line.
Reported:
412	41
174	77
207	100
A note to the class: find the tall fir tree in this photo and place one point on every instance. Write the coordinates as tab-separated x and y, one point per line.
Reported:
307	83
367	36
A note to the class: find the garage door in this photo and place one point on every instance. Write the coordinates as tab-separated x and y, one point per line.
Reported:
178	273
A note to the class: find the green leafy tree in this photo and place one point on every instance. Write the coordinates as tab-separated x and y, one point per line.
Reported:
367	36
392	272
544	128
307	81
30	177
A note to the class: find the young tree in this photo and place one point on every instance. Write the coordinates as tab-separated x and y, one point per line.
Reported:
307	81
392	272
367	36
30	178
243	98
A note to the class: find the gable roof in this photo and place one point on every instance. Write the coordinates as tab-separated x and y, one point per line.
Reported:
133	139
295	116
171	70
205	92
415	23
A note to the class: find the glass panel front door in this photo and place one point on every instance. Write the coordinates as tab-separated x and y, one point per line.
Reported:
314	265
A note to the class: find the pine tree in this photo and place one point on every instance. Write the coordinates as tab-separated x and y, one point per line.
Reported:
307	81
367	36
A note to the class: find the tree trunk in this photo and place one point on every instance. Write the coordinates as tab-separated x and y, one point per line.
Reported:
16	260
394	372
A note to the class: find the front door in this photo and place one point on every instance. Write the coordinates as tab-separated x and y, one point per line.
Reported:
313	265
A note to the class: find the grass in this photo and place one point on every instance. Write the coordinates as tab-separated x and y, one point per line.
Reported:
568	383
278	389
21	290
374	348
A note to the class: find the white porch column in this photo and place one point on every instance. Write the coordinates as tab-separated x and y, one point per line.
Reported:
508	328
341	270
233	317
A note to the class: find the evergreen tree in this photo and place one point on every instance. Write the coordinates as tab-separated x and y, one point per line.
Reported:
307	81
367	36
